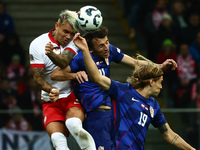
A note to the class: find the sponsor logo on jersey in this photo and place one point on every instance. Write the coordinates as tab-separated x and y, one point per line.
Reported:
101	148
151	111
133	99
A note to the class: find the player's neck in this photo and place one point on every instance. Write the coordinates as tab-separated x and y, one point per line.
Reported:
144	92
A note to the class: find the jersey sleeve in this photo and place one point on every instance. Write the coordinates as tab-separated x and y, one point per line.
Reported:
77	63
116	89
72	47
35	56
159	118
116	54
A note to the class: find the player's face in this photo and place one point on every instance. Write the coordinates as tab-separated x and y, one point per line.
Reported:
64	33
157	86
101	47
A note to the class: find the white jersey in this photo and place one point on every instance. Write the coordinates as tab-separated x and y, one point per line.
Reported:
38	58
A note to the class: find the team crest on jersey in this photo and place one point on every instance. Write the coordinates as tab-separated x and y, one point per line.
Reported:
101	148
151	111
31	57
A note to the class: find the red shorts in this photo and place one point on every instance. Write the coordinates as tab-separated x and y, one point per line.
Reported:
57	111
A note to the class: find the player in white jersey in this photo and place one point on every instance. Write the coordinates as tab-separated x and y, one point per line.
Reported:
63	110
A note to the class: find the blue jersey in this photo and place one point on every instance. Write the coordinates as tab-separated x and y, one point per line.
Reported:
132	115
89	93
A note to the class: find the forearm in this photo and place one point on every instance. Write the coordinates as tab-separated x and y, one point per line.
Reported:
132	62
91	66
59	60
63	76
38	76
177	141
173	138
44	85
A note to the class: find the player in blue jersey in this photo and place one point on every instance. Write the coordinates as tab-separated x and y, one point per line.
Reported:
96	101
134	108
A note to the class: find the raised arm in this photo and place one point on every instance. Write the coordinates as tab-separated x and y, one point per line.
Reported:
62	60
65	74
132	62
91	67
173	138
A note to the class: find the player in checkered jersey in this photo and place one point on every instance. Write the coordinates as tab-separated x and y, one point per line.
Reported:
134	107
61	109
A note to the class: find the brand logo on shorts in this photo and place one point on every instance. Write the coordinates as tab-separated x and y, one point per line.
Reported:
77	102
45	119
101	148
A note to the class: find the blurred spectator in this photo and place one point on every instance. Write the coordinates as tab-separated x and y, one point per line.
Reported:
4	87
6	22
152	22
15	71
188	33
18	122
12	46
166	30
8	102
178	15
169	83
30	99
195	51
138	8
167	51
186	73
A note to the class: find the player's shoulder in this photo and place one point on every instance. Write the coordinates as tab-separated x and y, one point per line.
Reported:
40	39
153	102
71	45
114	49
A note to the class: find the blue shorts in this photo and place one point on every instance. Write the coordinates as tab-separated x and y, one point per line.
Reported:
99	125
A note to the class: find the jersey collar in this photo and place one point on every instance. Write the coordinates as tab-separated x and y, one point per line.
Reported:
51	37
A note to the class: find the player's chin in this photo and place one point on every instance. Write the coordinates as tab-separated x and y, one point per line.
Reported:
65	43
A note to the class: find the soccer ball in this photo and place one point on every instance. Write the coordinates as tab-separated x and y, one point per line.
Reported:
89	18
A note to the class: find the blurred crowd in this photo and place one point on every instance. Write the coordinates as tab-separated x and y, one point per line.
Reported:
20	103
170	29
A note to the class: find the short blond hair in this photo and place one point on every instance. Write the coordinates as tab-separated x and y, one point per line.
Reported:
70	17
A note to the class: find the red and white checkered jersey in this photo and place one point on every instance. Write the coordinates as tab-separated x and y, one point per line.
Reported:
38	58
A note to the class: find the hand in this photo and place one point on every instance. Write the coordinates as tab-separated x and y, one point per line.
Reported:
80	42
48	48
168	63
54	95
81	76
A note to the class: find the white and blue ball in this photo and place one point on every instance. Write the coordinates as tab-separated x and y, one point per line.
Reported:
89	18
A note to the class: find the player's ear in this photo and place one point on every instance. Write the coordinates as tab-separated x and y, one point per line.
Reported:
151	81
56	25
